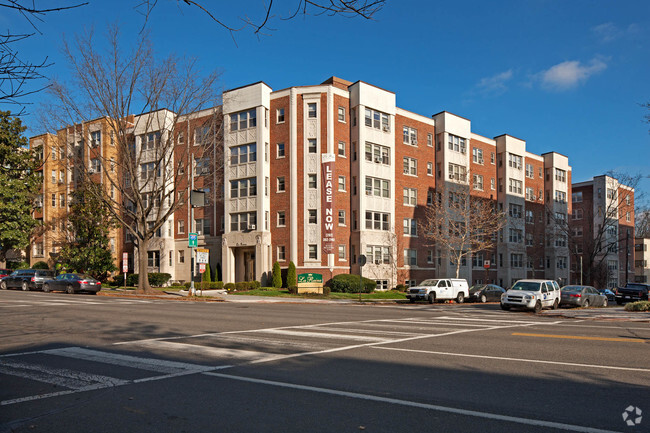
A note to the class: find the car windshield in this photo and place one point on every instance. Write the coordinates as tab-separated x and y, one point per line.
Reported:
529	286
426	283
476	288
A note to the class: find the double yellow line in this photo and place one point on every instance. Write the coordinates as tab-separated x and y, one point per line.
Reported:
577	337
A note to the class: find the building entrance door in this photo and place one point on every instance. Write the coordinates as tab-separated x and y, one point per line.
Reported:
249	266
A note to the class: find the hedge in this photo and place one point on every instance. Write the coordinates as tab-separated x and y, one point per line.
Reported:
347	283
156	279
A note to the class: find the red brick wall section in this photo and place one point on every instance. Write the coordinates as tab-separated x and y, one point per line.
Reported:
280	201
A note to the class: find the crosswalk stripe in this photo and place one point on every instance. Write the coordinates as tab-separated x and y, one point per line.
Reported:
218	352
57	376
290	332
148	364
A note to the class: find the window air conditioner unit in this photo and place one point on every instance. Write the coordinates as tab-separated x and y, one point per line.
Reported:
414	141
368	192
480	160
377	159
91	171
386	128
251	227
451	176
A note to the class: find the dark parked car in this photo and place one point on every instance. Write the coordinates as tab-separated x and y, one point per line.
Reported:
611	296
5	272
485	293
632	292
582	296
26	279
73	283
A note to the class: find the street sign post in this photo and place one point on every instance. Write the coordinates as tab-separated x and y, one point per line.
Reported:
125	265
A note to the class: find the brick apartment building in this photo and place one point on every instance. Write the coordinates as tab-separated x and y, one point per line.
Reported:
602	232
642	260
319	175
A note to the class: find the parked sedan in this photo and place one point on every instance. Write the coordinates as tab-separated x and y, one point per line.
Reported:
26	279
485	293
5	272
611	296
73	283
582	296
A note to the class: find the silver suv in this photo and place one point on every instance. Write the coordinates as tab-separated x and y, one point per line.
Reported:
532	294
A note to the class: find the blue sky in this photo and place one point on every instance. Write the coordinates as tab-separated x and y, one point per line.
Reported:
565	76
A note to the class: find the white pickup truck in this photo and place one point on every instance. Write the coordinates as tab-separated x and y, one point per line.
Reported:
439	290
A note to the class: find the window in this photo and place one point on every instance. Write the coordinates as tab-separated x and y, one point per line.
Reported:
281	253
492	158
377	187
516	260
341	114
281	219
430	168
560	175
95	139
410	166
410	196
410	257
313	252
341	149
181	256
478	182
312	216
280	184
530	217
477	155
312	145
203	226
342	252
530	193
312	182
492	184
457	172
515	210
429	197
410	227
96	166
377	120
530	172
181	227
378	254
279	115
515	236
341	217
477	260
377	221
560	241
457	144
560	196
53	176
243	120
514	186
312	108
243	221
243	187
153	259
429	256
576	214
243	154
147	170
149	141
529	240
560	217
410	135
514	161
576	197
430	140
628	217
341	183
561	262
53	200
377	153
201	166
62	200
180	138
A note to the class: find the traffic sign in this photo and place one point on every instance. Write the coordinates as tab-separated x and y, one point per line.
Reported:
486	264
125	262
202	255
201	268
194	240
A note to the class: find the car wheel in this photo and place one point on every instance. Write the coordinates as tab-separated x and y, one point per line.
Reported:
605	302
3	285
69	290
586	304
556	304
505	307
46	288
25	286
538	307
460	298
483	299
432	298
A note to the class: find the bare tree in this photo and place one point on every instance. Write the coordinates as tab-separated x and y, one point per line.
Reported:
461	224
143	103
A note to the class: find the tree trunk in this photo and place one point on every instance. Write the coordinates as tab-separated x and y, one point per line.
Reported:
143	279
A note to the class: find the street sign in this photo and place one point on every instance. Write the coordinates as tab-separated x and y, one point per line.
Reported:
202	255
362	260
125	263
194	240
486	264
201	268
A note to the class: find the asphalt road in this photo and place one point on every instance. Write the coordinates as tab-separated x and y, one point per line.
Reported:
75	363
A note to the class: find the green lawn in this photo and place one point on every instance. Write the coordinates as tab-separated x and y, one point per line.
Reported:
285	294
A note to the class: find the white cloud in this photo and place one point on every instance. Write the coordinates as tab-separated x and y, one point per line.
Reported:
495	84
607	32
567	75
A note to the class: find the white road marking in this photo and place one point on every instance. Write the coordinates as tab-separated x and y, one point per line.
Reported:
292	333
501	358
426	406
218	352
57	376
